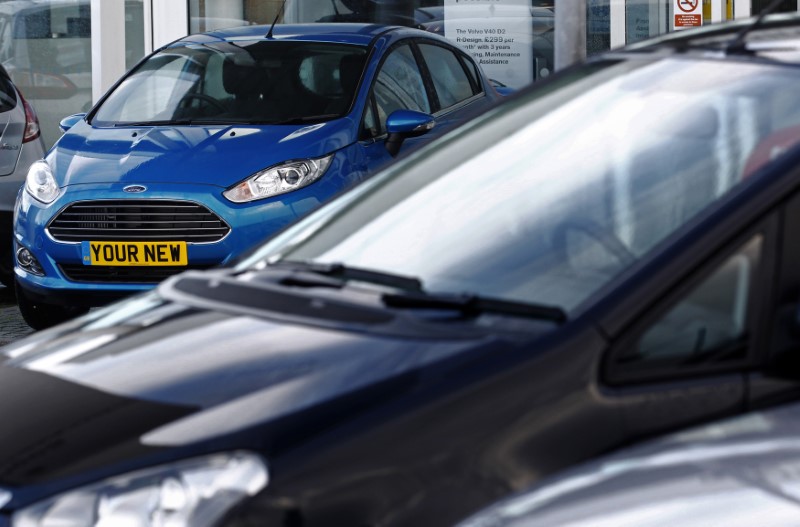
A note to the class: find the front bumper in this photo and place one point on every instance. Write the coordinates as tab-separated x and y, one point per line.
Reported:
250	223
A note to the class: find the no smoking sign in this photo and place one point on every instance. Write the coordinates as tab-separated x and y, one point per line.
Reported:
688	13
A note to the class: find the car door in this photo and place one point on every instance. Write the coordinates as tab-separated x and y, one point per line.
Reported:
686	357
426	76
398	85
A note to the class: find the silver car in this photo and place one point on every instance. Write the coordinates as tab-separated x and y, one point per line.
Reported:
20	145
738	472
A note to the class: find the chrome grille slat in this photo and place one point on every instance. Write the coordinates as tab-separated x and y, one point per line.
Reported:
138	220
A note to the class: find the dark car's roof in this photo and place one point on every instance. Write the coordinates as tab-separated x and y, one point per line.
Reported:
361	34
775	31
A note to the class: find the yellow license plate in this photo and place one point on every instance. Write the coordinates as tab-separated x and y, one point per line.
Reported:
134	253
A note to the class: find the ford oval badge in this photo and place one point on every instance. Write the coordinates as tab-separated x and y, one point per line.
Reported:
135	189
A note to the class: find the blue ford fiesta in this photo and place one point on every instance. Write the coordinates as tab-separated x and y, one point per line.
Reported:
218	140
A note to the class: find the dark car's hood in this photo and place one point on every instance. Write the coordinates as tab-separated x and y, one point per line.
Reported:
217	155
156	373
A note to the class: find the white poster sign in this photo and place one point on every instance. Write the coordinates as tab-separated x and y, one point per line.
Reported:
498	33
688	13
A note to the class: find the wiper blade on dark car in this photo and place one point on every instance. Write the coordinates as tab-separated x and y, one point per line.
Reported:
337	270
474	305
412	295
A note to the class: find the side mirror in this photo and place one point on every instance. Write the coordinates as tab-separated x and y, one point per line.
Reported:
68	122
402	124
501	88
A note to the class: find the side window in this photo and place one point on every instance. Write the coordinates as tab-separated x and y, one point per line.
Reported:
449	78
473	73
706	326
399	86
370	124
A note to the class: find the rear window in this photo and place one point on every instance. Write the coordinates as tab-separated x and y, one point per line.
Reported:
8	97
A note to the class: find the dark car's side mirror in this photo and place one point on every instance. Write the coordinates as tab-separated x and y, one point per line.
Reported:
402	124
68	122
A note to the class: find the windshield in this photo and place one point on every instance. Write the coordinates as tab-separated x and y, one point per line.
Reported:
252	81
564	189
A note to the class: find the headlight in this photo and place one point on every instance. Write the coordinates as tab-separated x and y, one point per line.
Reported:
40	182
196	492
279	179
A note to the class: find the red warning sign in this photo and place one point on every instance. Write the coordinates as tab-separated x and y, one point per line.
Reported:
682	21
688	13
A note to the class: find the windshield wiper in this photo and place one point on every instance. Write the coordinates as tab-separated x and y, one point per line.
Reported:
307	119
412	295
181	122
165	122
471	305
337	270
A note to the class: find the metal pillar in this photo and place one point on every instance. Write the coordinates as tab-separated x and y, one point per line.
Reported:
570	32
168	20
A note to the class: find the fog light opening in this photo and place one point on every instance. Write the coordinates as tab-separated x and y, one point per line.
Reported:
27	261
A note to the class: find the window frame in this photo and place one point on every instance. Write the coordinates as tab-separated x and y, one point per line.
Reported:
363	134
614	374
460	58
433	98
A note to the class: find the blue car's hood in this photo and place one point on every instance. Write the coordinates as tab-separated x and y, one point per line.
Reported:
219	155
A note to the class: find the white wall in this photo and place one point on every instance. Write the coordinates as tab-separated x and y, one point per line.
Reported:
165	21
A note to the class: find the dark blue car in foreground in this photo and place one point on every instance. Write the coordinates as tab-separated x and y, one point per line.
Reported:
219	140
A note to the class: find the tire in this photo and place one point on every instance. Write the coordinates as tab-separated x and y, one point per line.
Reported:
7	267
39	315
7	257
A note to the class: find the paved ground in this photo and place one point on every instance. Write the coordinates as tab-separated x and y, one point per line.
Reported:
12	327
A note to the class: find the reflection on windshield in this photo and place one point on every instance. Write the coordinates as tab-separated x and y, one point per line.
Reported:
588	181
273	82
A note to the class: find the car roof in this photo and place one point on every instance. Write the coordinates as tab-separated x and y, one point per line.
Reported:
361	34
777	32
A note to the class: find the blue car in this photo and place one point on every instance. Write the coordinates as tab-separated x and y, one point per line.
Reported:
219	140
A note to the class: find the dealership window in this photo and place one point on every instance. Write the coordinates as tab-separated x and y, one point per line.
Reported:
512	40
47	46
47	51
134	32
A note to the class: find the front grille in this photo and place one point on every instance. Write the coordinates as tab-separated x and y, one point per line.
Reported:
123	274
137	220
